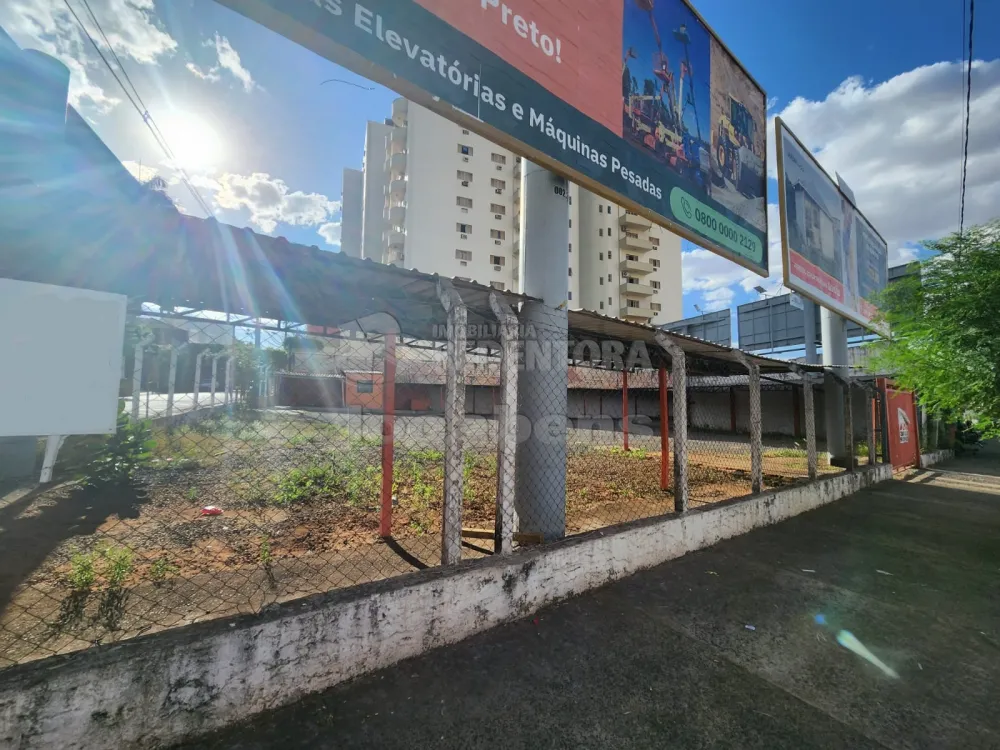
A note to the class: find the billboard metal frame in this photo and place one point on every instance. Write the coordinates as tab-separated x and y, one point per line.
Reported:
789	282
263	13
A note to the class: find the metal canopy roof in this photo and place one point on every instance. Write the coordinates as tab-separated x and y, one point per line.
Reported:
703	356
97	238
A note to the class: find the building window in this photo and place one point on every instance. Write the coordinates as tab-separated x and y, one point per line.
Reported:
600	232
499	159
609	277
366	386
498	184
498	234
609	231
600	209
465	255
609	302
654	262
601	281
463	201
609	208
498	260
602	304
654	284
464	150
600	256
571	247
656	306
498	285
463	228
570	223
464	176
464	131
496	208
654	241
632	303
569	295
570	271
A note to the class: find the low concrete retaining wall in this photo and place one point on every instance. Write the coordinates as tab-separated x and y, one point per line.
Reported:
935	457
159	689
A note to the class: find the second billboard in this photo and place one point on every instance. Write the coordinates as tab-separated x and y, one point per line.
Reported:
636	99
832	254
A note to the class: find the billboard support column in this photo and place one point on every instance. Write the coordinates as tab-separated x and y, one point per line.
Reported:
543	382
834	333
809	327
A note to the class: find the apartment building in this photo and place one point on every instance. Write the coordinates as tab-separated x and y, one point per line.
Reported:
438	198
352	194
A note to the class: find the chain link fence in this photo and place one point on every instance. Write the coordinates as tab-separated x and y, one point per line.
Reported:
257	462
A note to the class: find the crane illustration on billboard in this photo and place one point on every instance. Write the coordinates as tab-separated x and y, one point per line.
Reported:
663	117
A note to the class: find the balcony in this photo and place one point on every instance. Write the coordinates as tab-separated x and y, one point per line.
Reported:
634	222
635	243
397	216
643	313
636	290
394	239
397	141
394	257
400	111
517	169
397	188
636	266
396	164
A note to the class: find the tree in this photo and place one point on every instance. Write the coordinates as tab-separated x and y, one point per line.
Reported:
945	323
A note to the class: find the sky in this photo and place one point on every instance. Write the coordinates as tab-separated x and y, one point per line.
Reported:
873	88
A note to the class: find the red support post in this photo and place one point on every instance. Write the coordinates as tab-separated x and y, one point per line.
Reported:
625	408
664	432
388	433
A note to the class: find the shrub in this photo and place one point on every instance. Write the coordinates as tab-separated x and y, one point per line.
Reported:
82	572
118	565
126	450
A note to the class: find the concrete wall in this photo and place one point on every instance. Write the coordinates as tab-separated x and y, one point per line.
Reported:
162	688
935	457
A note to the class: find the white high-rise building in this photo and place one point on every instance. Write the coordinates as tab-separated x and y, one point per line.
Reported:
438	198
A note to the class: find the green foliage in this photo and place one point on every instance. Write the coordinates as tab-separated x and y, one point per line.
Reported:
302	485
117	565
162	568
83	571
429	456
945	324
264	553
344	477
637	453
125	451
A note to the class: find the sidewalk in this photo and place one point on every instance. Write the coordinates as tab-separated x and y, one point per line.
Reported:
722	648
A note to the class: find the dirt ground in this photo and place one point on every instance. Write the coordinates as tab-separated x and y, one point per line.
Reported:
300	508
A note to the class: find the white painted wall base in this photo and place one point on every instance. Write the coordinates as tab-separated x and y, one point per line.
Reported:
160	689
935	457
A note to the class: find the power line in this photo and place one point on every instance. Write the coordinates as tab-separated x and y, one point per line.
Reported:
139	107
968	111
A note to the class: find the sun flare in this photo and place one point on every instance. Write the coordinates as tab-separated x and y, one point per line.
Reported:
194	142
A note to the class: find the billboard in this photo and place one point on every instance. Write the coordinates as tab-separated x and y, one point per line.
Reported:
636	100
831	252
713	326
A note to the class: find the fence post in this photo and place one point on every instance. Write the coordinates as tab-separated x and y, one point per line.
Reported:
172	378
664	430
870	420
849	423
197	376
678	378
137	375
506	516
809	409
625	408
388	433
454	424
756	428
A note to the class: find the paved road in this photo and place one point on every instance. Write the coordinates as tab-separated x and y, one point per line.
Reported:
665	659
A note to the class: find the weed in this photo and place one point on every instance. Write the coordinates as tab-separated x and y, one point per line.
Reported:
192	493
118	565
124	452
264	553
83	571
427	456
303	485
418	526
162	568
785	453
636	453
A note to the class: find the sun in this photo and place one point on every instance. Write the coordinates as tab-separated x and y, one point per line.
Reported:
194	142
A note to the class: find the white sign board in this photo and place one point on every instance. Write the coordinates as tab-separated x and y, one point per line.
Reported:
62	359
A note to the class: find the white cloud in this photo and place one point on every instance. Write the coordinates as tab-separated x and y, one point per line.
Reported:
269	201
130	25
211	75
898	144
227	58
718	299
330	232
141	172
899	256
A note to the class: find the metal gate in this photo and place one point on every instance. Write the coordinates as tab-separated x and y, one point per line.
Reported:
904	440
